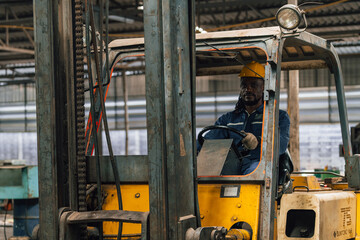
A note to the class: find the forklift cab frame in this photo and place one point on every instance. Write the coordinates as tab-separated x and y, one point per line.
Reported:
223	53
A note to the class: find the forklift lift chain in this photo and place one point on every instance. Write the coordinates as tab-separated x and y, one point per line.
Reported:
80	109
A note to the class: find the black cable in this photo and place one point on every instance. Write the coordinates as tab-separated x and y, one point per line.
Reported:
104	118
104	85
92	107
101	16
113	163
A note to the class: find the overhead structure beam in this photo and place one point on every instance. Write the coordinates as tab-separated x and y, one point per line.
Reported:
5	46
216	21
14	60
7	29
257	12
17	82
215	7
24	30
9	3
203	5
127	13
18	50
17	75
17	21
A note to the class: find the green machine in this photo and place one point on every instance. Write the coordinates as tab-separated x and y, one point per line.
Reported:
20	183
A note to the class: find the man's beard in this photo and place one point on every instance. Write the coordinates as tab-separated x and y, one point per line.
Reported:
251	103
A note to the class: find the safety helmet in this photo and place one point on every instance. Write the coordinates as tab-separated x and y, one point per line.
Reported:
257	69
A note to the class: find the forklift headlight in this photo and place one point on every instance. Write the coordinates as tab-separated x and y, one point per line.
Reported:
289	16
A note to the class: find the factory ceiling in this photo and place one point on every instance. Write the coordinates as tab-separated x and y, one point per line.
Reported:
338	21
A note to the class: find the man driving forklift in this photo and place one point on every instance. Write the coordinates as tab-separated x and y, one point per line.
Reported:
248	118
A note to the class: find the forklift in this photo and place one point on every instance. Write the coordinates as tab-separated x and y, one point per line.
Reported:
246	205
173	193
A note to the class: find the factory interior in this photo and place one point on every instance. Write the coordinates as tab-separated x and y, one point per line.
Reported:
180	119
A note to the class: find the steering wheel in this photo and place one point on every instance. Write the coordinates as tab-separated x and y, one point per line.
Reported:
205	129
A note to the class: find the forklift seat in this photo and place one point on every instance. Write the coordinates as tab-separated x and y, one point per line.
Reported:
286	167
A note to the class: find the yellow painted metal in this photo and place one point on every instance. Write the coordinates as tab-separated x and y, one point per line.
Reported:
238	234
339	186
214	210
277	214
309	181
217	211
357	216
135	198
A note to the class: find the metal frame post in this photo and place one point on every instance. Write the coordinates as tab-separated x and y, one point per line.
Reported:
340	93
293	111
126	111
168	56
45	110
54	71
271	142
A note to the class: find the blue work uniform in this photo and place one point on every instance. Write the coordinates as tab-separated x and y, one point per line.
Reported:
250	123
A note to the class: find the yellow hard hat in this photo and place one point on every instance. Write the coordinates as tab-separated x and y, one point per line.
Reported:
258	70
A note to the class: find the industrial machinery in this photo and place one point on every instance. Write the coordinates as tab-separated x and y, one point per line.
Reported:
20	183
168	193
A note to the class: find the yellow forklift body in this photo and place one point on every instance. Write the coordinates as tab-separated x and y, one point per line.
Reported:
221	204
339	186
357	215
135	197
306	181
224	204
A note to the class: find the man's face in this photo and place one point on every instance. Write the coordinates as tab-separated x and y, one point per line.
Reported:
251	90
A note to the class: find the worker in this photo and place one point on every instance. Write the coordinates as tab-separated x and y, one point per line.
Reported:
247	117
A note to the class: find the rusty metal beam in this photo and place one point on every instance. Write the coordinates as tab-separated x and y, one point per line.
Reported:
126	112
24	30
45	78
169	58
53	76
18	50
7	29
18	21
2	43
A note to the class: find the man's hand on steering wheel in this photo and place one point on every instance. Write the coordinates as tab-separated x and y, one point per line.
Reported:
249	142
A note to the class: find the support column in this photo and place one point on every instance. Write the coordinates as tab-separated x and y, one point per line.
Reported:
53	58
45	111
293	111
169	54
126	112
